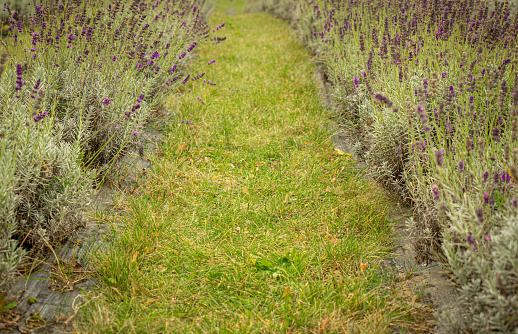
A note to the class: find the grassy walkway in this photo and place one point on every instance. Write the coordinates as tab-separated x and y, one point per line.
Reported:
249	221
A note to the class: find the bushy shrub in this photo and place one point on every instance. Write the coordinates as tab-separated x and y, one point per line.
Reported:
106	68
428	94
80	81
44	187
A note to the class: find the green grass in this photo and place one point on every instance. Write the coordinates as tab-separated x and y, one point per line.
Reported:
249	221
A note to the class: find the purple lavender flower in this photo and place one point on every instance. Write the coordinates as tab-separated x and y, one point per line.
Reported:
496	177
423	117
486	175
106	101
383	99
211	62
486	198
480	215
39	117
439	156
452	91
186	79
435	190
19	81
470	239
488	237
496	133
461	166
356	82
191	47
37	86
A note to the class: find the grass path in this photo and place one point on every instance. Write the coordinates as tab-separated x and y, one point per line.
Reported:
249	222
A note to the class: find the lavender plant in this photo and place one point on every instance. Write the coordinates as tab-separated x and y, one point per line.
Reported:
78	82
108	67
428	95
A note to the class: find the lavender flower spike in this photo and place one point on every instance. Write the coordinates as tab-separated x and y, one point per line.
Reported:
435	190
439	156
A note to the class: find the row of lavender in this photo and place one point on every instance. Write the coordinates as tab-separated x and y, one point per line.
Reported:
428	97
77	82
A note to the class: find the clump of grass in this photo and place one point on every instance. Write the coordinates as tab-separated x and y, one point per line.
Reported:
250	222
429	99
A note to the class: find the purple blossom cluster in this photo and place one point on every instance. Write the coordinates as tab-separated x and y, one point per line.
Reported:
39	117
19	79
193	45
209	83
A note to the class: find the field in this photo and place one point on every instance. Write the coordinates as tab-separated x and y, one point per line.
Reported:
250	220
